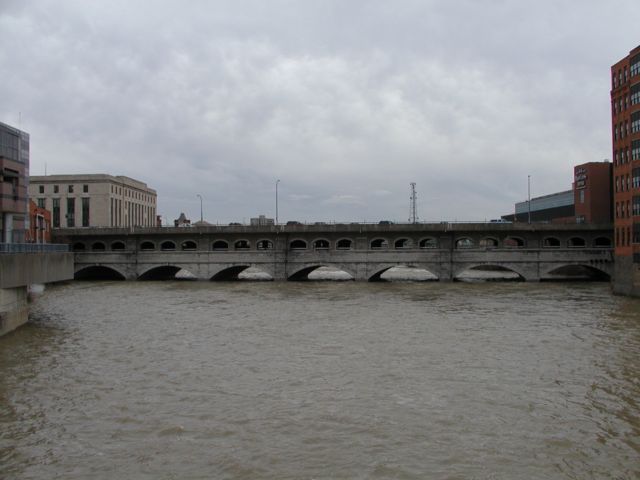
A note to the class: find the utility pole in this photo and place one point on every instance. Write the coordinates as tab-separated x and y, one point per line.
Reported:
529	196
413	208
277	182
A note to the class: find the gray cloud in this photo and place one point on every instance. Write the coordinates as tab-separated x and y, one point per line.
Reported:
341	101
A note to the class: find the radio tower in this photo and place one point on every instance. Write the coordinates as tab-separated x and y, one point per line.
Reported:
413	209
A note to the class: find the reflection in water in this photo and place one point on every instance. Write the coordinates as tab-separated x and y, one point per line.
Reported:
322	380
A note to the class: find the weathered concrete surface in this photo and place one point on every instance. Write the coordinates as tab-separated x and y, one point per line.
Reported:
17	272
626	277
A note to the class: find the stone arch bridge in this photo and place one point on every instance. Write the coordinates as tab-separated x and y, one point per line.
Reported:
535	252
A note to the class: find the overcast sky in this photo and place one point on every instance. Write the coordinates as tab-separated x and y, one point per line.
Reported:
345	101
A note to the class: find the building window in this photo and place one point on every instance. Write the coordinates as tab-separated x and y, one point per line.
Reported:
85	188
635	150
56	212
635	122
581	196
70	188
41	203
635	177
636	205
85	211
56	189
635	65
41	189
635	94
71	208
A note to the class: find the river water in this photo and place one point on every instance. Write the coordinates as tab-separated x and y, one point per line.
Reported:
322	380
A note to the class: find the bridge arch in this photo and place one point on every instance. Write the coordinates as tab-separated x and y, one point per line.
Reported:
379	244
464	242
220	245
79	247
382	269
298	244
428	242
167	245
188	245
576	242
488	242
118	246
602	242
98	247
577	272
402	243
302	273
551	242
264	244
161	272
344	244
242	244
490	272
514	242
321	244
147	245
98	272
229	273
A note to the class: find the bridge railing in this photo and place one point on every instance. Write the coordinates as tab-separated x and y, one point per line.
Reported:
33	247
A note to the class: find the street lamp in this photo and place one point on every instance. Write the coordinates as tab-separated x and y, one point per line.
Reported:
277	182
529	195
200	197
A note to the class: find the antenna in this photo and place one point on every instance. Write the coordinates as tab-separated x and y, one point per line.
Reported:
413	208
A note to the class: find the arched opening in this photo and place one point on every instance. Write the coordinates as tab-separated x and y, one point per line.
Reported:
117	246
576	242
242	245
344	244
79	247
551	242
98	247
229	274
220	245
513	242
428	243
188	245
298	245
379	244
577	273
164	272
321	244
320	273
403	273
98	272
488	273
146	246
488	242
264	245
167	245
464	243
602	242
402	243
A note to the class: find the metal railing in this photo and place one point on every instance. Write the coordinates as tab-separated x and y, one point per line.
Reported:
33	247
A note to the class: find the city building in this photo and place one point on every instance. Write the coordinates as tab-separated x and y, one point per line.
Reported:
262	220
182	221
625	133
592	192
589	201
14	181
39	224
94	200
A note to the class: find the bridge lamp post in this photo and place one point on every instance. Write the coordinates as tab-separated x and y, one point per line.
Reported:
529	196
277	182
200	197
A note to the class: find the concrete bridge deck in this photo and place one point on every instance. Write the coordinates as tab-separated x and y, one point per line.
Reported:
535	252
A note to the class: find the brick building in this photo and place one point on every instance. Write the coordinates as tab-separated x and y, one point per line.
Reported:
39	224
592	192
625	132
14	181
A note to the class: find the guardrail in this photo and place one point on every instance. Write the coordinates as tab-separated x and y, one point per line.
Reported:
33	247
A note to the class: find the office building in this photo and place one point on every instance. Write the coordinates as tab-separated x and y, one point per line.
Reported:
94	200
625	132
14	181
592	192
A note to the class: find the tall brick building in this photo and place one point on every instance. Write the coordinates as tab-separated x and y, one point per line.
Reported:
625	126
